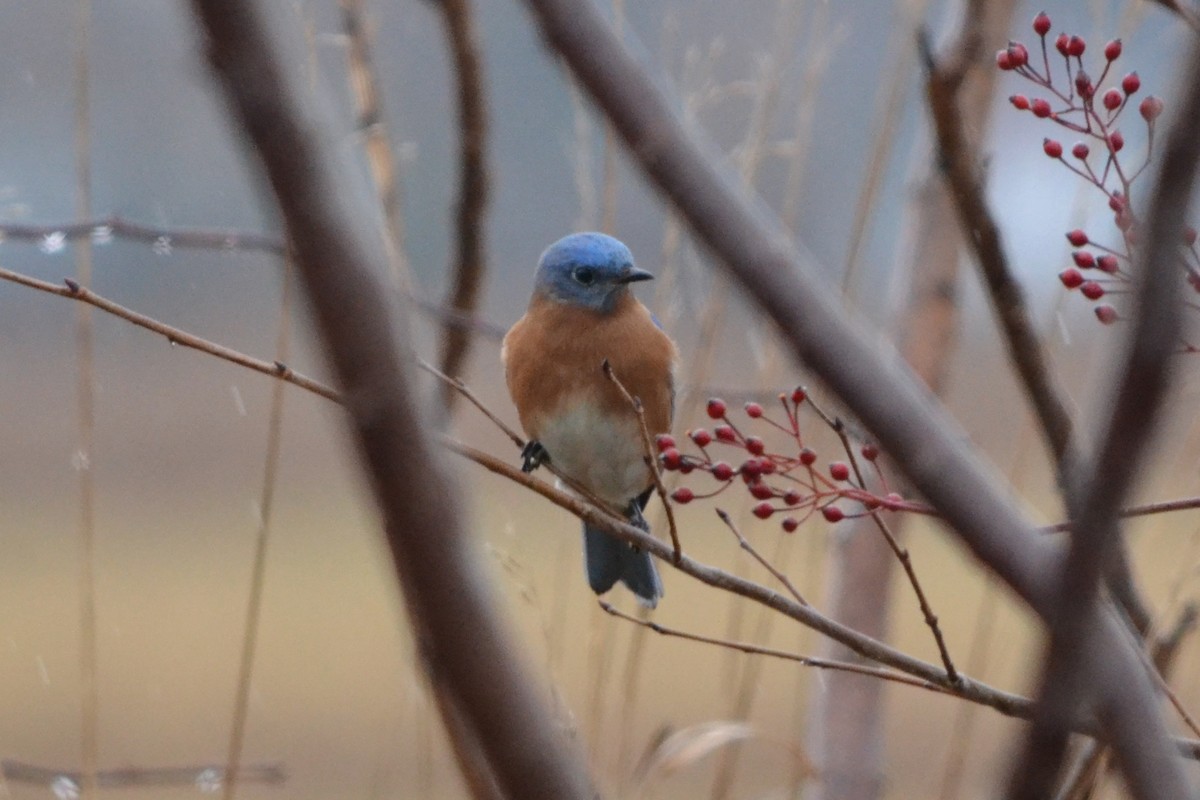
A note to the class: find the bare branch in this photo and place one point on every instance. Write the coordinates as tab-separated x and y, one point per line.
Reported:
744	543
473	184
463	642
754	649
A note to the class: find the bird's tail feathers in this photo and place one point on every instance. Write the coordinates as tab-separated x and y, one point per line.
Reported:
608	559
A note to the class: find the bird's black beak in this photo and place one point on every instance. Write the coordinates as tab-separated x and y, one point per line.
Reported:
634	275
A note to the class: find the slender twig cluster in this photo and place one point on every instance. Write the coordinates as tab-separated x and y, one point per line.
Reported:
792	482
1081	105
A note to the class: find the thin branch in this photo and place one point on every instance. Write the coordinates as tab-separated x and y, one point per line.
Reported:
651	460
473	184
922	436
464	643
103	229
258	572
759	650
901	553
744	543
85	379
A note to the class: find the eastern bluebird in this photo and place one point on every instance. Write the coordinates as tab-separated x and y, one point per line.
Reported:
582	312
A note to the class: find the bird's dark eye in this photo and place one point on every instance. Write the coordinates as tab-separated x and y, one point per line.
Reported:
584	275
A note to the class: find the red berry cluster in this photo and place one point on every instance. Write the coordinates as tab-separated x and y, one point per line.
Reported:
779	482
1079	104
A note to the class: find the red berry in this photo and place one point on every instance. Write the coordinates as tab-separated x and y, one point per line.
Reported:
755	445
1040	107
1189	235
1084	259
1075	46
1071	278
1131	83
1041	24
1106	314
725	433
1116	201
1116	141
1150	108
1080	151
767	466
1083	84
671	459
839	471
701	437
807	457
760	491
799	395
790	524
832	514
792	497
1004	60
716	408
1113	99
1018	56
1112	50
1052	148
1092	290
753	410
686	467
722	471
683	495
664	441
1020	102
870	452
763	510
1061	43
1077	237
1108	263
751	468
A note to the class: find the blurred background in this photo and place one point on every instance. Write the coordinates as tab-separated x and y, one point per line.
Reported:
816	106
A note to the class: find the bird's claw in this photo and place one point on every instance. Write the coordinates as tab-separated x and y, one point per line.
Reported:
533	456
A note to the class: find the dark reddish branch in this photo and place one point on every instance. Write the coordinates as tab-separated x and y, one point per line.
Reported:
472	189
1139	392
923	438
464	643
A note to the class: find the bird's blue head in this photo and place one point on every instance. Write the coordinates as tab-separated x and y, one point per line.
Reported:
587	269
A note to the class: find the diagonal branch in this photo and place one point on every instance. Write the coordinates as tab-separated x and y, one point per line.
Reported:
465	645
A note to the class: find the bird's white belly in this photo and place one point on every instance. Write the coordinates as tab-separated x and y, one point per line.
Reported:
603	453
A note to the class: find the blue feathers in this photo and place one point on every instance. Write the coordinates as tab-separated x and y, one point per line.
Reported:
591	270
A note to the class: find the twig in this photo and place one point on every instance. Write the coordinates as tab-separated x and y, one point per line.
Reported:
465	645
207	776
241	705
901	553
651	460
754	649
86	396
473	184
102	229
767	565
459	386
385	171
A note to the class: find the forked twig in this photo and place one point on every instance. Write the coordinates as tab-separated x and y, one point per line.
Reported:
767	565
902	554
651	460
754	649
